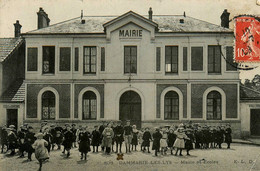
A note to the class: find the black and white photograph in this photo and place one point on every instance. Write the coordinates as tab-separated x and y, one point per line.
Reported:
130	85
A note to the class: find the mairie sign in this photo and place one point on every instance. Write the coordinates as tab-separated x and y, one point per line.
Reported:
130	33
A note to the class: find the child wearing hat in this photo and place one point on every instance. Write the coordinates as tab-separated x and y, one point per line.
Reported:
179	142
41	152
171	139
156	140
29	140
12	139
163	141
119	132
147	137
68	140
48	137
84	143
95	139
135	138
189	141
228	137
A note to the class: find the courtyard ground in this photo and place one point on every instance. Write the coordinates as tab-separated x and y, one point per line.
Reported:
241	157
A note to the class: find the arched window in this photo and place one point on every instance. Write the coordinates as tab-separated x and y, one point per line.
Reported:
171	106
214	106
48	105
89	106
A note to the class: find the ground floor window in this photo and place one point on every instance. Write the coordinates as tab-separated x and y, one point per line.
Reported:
89	105
48	105
214	106
171	106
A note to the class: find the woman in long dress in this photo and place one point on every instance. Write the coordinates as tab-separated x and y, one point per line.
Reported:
41	152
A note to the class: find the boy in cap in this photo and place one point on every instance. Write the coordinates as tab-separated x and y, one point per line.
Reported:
21	135
189	141
95	138
29	140
74	131
147	137
128	134
119	131
12	139
156	140
68	139
228	137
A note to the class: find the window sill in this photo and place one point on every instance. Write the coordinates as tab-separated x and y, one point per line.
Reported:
214	73
89	74
171	73
48	74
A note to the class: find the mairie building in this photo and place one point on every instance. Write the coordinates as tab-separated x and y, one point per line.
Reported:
154	70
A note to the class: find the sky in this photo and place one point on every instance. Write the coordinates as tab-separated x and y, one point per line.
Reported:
61	10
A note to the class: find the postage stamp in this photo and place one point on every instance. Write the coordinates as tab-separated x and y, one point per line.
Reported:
247	41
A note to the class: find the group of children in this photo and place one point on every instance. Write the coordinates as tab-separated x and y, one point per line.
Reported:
110	136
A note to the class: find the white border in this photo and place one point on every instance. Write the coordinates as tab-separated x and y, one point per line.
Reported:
80	97
39	102
166	90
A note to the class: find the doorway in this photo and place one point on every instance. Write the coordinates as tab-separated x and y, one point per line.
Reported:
255	122
12	117
130	108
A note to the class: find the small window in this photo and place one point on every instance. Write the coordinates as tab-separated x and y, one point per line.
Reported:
65	59
90	60
196	58
89	106
185	58
214	59
158	58
102	59
230	64
130	57
76	59
48	66
171	59
214	106
32	59
171	106
48	105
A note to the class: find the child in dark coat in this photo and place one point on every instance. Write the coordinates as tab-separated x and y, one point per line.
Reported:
171	139
84	143
156	140
95	139
68	140
29	140
135	138
189	141
228	137
147	137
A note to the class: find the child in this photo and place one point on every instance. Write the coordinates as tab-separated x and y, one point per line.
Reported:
84	143
179	142
41	152
4	139
156	140
163	142
119	138
12	139
189	142
228	138
48	137
108	134
95	139
68	140
171	139
147	137
29	139
135	138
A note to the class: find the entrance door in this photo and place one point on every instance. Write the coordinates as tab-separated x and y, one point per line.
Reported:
11	117
255	122
130	108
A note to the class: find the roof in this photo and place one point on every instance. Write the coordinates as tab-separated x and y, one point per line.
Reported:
8	46
15	93
166	23
249	94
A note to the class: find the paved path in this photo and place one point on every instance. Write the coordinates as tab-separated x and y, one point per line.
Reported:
240	157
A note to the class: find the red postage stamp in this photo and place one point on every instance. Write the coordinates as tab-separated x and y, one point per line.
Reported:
247	42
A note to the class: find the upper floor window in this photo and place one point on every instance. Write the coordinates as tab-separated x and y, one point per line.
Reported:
130	59
76	59
185	59
196	58
32	59
90	59
89	105
214	106
103	59
48	57
171	59
65	59
230	64
214	59
171	105
158	58
48	105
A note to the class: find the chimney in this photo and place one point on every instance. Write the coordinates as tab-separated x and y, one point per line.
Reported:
150	12
17	29
43	19
225	19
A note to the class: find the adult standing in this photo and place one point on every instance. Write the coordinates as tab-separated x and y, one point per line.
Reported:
108	134
128	134
119	132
